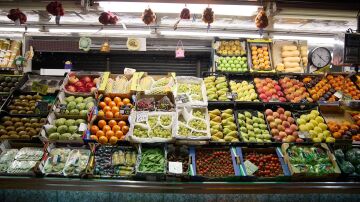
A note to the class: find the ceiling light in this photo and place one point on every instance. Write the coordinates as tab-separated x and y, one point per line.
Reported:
311	40
11	35
139	7
18	29
100	31
209	34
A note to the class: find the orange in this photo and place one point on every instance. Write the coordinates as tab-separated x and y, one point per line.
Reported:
107	100
337	135
125	129
122	137
107	108
116	128
122	124
114	109
100	133
109	115
101	123
113	140
119	134
102	105
94	137
112	104
94	129
101	113
117	100
126	101
109	134
103	140
117	115
106	128
119	104
112	123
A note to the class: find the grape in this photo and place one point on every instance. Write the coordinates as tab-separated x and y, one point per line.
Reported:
199	134
197	124
165	120
184	131
198	113
159	131
140	131
152	120
183	88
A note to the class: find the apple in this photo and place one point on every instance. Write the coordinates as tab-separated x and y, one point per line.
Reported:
81	89
73	79
70	88
89	85
86	79
79	84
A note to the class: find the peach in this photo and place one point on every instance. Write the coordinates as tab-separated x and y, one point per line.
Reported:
276	115
283	117
278	121
274	132
288	131
270	118
287	113
286	124
280	110
282	134
290	120
268	112
272	125
282	99
293	127
281	128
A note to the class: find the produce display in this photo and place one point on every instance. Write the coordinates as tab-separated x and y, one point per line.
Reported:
345	85
110	108
214	163
9	49
152	160
223	126
231	48
217	88
75	106
193	123
6	158
260	57
80	83
24	104
52	82
55	162
64	129
314	125
348	160
344	130
8	83
119	85
243	91
269	90
76	162
20	127
24	162
268	164
310	160
179	154
232	64
291	59
253	127
108	131
190	90
282	125
320	89
294	90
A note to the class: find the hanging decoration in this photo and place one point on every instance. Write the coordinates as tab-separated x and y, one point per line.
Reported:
85	43
148	16
17	16
208	16
133	44
179	51
55	8
105	47
261	21
184	15
107	18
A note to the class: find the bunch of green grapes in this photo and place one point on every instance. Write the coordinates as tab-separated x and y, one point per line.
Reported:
152	120
183	88
198	113
140	131
195	89
165	120
184	131
197	124
198	134
158	131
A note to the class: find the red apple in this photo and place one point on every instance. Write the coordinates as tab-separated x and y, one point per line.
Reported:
79	84
73	79
86	79
70	88
89	85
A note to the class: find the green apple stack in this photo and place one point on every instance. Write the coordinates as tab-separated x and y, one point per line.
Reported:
245	91
216	88
222	126
253	127
315	125
232	64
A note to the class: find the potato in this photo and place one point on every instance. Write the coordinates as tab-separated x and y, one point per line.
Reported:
295	69
291	64
291	59
289	48
294	53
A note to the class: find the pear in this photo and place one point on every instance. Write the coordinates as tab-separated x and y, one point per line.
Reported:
216	119
230	119
233	134
213	123
212	116
228	138
221	85
216	127
225	115
231	127
219	135
215	111
228	111
226	131
221	93
214	138
213	131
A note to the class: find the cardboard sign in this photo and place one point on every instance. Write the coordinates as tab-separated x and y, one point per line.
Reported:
250	167
142	116
39	88
175	167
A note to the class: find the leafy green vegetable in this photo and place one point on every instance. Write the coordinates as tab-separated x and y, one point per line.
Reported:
353	155
152	160
339	154
347	167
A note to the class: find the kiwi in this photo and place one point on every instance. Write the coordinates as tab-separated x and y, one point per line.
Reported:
2	127
27	108
28	129
37	97
15	119
22	97
25	137
21	128
12	133
8	123
29	112
29	97
15	136
4	137
14	111
6	118
22	133
22	112
11	107
19	108
34	125
18	124
34	120
38	130
32	132
25	120
3	132
27	124
10	128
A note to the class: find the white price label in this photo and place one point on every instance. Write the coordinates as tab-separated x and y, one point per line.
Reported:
82	127
303	134
250	167
142	116
338	94
175	167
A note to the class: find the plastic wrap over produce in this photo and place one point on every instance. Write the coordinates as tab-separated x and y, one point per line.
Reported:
150	127
190	91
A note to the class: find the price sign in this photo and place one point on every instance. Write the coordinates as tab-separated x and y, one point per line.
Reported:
125	110
235	95
229	95
41	107
175	167
250	167
183	98
338	94
39	88
82	127
303	134
142	116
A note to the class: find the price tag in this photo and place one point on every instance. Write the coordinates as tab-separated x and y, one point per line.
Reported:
303	134
338	94
250	167
56	159
39	88
73	161
82	127
235	95
183	98
229	95
41	107
175	167
142	116
125	110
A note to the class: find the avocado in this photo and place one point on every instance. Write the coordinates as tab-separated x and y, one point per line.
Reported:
7	79
3	132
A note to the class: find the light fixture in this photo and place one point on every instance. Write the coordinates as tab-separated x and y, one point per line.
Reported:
100	31
209	34
18	29
138	7
310	40
11	35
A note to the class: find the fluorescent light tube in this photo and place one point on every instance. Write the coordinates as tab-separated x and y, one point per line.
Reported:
312	40
139	7
18	29
209	34
98	31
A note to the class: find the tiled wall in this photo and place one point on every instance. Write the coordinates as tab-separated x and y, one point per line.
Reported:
77	196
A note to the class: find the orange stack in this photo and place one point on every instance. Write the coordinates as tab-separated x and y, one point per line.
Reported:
345	85
344	128
110	108
110	131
